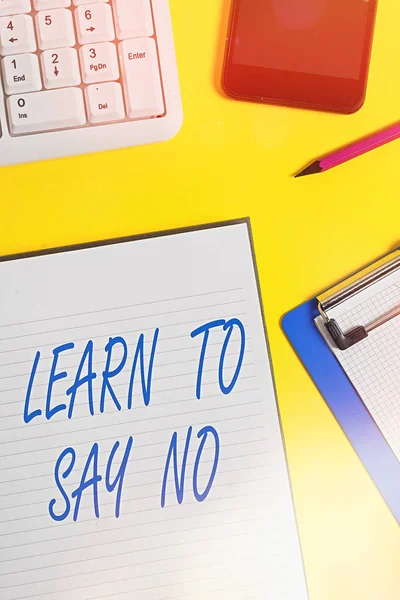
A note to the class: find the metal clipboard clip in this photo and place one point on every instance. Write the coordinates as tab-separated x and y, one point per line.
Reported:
349	288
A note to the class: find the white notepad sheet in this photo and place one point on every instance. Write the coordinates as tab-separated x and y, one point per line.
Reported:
116	481
372	365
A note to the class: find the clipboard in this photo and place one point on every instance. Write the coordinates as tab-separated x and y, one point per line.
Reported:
331	379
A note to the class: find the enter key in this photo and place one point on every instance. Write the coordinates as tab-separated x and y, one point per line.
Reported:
141	78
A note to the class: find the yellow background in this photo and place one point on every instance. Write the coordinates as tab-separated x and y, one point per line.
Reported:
232	160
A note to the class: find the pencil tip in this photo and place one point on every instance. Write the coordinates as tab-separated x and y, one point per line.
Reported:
315	167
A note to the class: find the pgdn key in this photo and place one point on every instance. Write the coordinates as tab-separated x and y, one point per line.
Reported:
46	111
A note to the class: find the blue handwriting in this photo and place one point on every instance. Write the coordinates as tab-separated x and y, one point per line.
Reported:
179	479
85	376
90	480
227	326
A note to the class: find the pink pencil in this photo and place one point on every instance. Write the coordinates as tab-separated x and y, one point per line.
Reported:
357	149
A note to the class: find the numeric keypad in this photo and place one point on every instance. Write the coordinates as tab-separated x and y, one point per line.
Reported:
98	56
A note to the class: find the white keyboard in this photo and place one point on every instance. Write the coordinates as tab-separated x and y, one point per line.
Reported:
85	75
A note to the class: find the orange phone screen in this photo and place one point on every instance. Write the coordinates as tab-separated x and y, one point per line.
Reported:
279	47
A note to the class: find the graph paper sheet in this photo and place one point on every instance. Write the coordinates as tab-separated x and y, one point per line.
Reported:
373	364
141	454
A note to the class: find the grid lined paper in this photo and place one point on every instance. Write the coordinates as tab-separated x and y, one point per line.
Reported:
240	541
372	363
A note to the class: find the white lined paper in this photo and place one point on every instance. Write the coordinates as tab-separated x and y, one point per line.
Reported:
241	540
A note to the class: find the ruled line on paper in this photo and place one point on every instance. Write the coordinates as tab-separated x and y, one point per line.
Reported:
48	489
80	403
193	322
162	391
118	321
79	353
115	553
97	388
165	429
129	565
156	470
136	539
222	563
180	323
170	494
127	487
231	590
112	309
135	498
75	536
172	375
64	576
138	435
146	354
151	497
138	486
216	501
120	554
227	587
214	408
122	539
111	438
217	497
191	594
152	444
136	409
66	365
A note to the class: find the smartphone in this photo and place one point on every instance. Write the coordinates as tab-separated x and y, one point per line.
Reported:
304	53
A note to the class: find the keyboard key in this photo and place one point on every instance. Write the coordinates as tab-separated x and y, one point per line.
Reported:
94	23
79	2
21	74
17	35
55	29
14	7
132	18
45	111
47	4
141	78
60	68
99	62
104	103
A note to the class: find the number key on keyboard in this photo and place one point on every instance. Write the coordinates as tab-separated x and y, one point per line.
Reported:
132	18
60	68
44	111
55	29
99	62
14	7
21	74
94	23
47	4
17	35
79	2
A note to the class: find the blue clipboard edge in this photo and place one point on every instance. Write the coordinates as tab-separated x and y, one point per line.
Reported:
344	402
